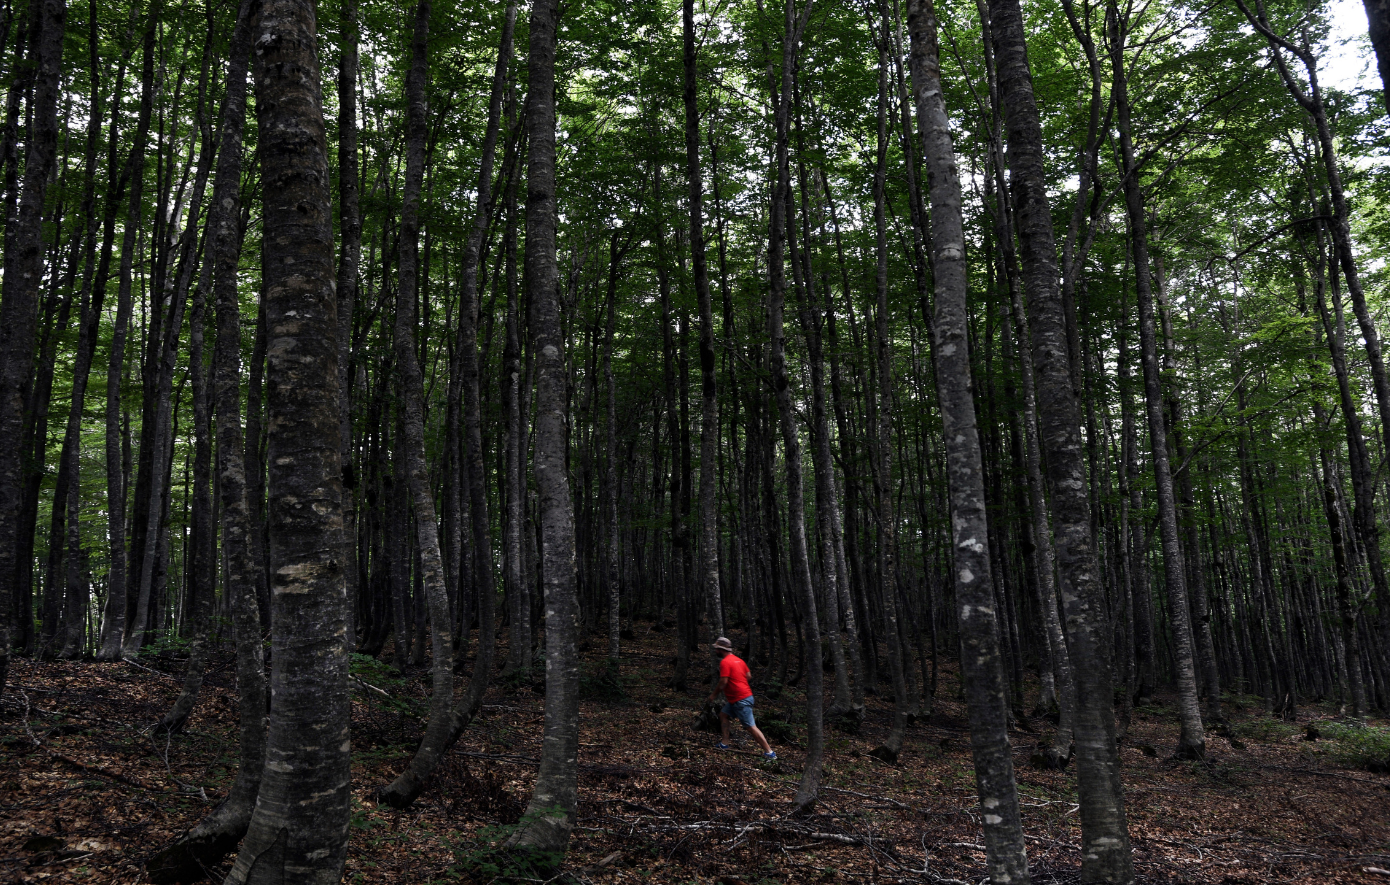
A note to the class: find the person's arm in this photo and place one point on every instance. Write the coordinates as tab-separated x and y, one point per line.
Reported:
718	689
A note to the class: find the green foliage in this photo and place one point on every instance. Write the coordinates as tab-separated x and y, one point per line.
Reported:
386	686
167	644
1266	729
491	859
1154	711
1358	745
376	672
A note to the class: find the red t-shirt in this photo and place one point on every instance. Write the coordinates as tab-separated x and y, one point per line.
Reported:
736	671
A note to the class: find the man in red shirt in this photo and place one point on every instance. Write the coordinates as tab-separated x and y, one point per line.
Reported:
738	697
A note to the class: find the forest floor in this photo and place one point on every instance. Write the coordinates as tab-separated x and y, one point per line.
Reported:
86	792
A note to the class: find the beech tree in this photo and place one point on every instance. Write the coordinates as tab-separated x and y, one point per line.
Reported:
299	826
550	813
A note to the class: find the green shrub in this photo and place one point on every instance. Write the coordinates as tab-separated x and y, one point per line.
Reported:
376	672
489	860
1358	745
390	683
1266	729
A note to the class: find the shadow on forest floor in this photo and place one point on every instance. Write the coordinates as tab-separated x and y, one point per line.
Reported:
86	794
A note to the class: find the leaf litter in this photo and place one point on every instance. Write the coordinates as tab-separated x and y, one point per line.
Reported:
87	792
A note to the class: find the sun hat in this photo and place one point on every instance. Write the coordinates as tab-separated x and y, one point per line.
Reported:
723	644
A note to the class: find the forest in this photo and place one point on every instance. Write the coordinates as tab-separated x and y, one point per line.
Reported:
388	390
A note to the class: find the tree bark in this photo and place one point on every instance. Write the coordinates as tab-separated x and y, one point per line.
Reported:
612	564
412	424
545	829
882	443
1192	738
220	831
678	576
114	618
349	262
152	566
299	829
19	313
92	301
1105	836
709	399
1044	558
200	570
822	459
980	663
800	579
1363	513
513	395
447	720
1204	650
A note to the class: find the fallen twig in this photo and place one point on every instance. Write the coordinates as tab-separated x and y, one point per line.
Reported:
894	802
368	685
149	669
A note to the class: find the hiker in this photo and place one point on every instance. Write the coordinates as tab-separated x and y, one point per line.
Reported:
738	697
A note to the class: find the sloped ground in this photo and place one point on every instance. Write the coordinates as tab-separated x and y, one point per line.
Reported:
86	793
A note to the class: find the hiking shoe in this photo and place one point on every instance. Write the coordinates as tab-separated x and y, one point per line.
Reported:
721	746
770	756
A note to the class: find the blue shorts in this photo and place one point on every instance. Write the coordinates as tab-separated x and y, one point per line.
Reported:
742	711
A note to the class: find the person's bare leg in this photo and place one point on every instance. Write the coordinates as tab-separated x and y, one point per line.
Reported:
757	734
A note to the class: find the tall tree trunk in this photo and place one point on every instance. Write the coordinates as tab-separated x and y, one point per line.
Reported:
447	721
1045	561
114	618
709	401
299	829
19	313
678	577
882	444
152	567
416	469
515	378
800	579
845	601
1363	514
1134	539
349	262
551	812
612	563
822	459
220	831
980	664
256	458
92	301
1204	650
199	570
1192	738
200	563
1061	750
1105	836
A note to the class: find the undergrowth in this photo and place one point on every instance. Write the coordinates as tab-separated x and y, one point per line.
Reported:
1358	745
1266	729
